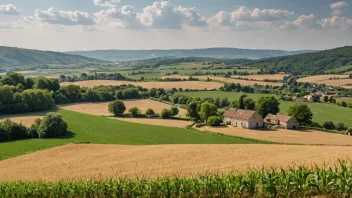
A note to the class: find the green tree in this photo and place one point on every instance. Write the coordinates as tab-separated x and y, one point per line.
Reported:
249	104
341	126
350	76
343	104
150	112
301	112
134	111
329	125
192	110
266	105
214	121
174	111
206	110
166	113
241	102
52	125
326	98
13	79
117	107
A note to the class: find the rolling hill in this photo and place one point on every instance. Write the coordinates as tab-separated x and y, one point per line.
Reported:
223	53
11	56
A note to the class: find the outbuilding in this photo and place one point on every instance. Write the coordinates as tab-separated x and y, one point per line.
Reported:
288	122
246	119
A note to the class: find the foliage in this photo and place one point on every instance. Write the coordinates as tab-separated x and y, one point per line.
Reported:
12	131
341	126
266	105
192	109
166	113
52	125
134	111
174	111
117	107
329	125
46	83
350	76
294	182
150	112
302	113
206	110
214	121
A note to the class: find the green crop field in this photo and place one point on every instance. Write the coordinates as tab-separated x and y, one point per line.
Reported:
102	130
322	112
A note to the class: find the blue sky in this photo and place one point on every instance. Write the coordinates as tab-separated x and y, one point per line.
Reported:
65	25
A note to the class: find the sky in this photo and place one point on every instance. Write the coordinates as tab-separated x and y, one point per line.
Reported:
69	25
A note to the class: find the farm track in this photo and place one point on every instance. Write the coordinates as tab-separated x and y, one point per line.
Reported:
77	162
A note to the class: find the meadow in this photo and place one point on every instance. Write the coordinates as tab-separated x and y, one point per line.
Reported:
102	130
322	111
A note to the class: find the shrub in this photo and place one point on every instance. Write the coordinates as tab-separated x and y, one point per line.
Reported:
315	124
117	107
12	131
340	127
166	113
329	125
134	111
174	111
52	125
349	129
150	112
198	125
214	121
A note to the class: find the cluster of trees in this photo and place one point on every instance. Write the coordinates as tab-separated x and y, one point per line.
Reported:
179	79
329	125
52	125
95	76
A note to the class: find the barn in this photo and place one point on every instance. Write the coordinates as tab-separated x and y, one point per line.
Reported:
288	122
240	118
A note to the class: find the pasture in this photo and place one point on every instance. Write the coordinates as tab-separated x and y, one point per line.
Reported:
311	137
331	79
149	85
82	162
102	130
322	111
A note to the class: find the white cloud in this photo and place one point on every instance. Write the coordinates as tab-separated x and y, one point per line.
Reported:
106	3
9	10
337	7
336	22
55	16
304	21
159	15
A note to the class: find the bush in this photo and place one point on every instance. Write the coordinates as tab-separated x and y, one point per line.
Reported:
52	125
340	127
150	112
315	124
134	111
117	107
349	129
166	113
12	131
198	125
174	111
329	125
214	121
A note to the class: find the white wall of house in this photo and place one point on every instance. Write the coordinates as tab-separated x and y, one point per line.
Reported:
253	123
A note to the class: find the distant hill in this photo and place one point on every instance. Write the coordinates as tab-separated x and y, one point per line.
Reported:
221	53
307	63
11	56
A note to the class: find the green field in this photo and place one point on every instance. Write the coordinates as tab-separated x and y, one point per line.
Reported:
340	69
102	130
322	112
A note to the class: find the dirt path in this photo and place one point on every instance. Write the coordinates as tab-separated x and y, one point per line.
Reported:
74	162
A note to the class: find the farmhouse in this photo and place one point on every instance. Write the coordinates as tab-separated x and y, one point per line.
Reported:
288	122
246	119
301	99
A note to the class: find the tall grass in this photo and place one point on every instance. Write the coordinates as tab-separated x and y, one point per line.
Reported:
299	182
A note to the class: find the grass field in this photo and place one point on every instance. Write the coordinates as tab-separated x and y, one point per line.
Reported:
85	162
102	130
322	112
340	69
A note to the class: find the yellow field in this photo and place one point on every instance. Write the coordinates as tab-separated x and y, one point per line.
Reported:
325	79
26	119
344	99
264	76
228	80
165	85
75	162
313	137
101	108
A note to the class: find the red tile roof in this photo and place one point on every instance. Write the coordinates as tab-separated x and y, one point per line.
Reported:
280	117
239	114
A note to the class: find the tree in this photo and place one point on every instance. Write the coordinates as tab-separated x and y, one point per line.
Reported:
329	125
301	112
12	131
214	121
206	110
52	125
266	105
241	102
326	98
174	111
343	104
350	76
249	104
315	98
84	75
166	113
117	107
13	79
340	127
224	102
192	110
150	112
134	111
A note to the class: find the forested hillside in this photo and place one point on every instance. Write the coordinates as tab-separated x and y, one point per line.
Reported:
10	56
221	53
307	63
